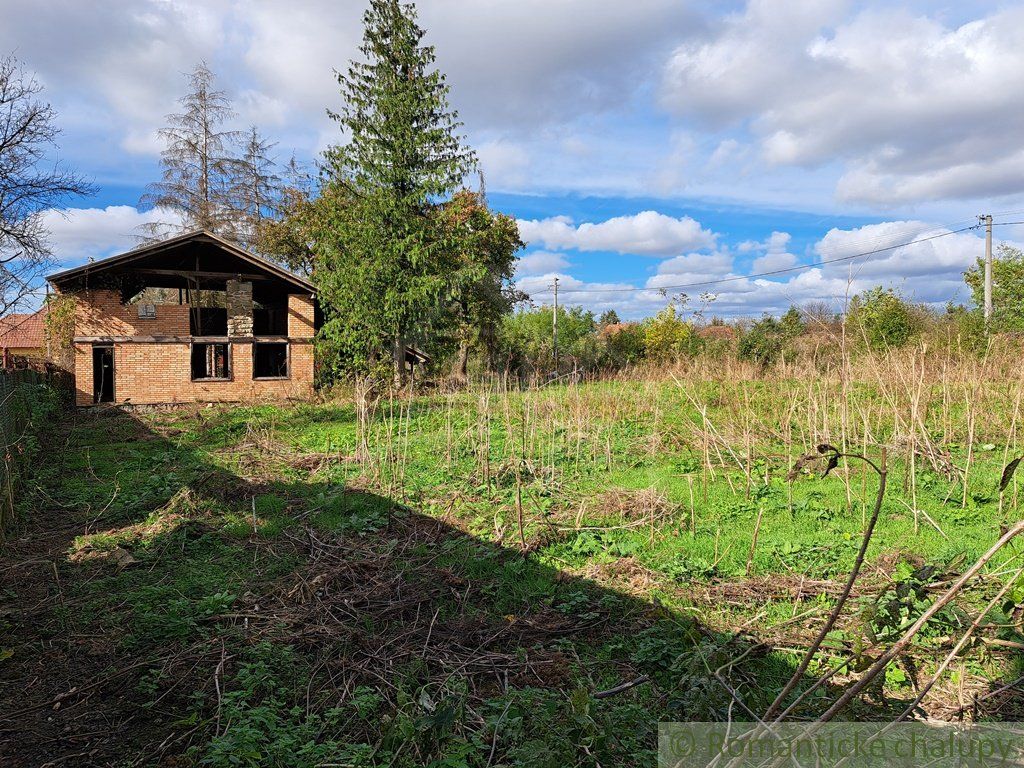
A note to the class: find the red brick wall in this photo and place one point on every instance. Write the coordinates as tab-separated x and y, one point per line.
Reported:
300	316
160	372
149	373
99	312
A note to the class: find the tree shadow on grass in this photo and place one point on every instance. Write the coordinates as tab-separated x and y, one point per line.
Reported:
158	605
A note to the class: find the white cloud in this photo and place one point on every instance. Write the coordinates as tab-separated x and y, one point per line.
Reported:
540	263
80	234
917	109
594	296
505	160
529	63
929	271
775	254
648	233
707	264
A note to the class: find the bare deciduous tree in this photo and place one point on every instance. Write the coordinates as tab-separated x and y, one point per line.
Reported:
255	188
31	182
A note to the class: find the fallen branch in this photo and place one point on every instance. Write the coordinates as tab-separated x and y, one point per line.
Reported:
624	687
898	647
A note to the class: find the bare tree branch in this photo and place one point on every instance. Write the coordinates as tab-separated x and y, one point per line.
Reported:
31	183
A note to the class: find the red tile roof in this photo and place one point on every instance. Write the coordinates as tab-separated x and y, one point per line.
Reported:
717	333
20	331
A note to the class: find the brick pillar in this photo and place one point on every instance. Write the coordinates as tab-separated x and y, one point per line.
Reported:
239	299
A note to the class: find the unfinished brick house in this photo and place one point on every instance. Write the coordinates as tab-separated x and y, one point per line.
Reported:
190	319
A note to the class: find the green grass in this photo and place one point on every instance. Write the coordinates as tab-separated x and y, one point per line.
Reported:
246	523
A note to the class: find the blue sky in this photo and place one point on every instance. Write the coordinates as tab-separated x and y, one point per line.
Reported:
641	144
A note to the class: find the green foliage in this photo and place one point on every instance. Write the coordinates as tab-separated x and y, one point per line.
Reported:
884	319
608	317
450	548
526	338
766	340
27	413
59	329
481	293
267	728
384	259
667	336
792	323
1007	287
622	345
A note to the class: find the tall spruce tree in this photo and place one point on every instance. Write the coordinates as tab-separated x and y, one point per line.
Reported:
386	259
198	164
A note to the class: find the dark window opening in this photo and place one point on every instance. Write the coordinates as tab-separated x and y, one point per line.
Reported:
270	361
103	374
208	321
210	361
270	320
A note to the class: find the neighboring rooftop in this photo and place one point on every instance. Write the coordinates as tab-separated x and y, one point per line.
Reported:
24	331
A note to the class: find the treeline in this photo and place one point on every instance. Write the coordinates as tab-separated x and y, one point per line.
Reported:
876	320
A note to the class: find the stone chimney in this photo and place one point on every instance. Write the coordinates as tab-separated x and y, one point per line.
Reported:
239	300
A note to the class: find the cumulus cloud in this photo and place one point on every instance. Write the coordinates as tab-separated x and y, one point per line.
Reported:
915	107
775	254
648	233
114	68
80	234
540	263
594	296
929	270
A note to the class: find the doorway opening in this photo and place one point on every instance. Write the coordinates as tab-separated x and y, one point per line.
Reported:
103	374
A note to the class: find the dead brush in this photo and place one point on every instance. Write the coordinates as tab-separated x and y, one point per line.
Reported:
260	455
368	614
184	508
633	509
527	470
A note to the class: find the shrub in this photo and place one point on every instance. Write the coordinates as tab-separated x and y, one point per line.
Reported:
667	336
525	338
884	319
621	345
1007	288
766	340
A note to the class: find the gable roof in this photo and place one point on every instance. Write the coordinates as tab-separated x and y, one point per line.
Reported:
197	236
23	331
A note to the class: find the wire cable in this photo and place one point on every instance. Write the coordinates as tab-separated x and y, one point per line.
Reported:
773	272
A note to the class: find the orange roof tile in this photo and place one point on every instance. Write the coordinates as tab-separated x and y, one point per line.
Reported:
23	330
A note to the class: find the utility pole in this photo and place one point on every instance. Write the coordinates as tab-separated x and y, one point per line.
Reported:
987	221
554	327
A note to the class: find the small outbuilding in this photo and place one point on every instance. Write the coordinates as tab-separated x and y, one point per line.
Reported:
190	319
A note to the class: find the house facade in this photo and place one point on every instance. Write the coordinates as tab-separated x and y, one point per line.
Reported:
190	319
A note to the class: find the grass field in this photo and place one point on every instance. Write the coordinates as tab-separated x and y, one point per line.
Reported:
460	579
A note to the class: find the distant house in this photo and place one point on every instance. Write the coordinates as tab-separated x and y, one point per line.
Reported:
23	335
190	319
717	333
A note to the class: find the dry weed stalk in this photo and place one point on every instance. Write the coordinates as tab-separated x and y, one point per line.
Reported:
832	456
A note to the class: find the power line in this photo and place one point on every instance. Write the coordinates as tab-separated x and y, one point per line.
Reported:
773	272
